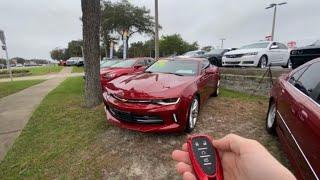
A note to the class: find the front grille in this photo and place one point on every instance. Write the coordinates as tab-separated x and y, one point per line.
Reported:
234	56
131	118
247	62
309	51
233	63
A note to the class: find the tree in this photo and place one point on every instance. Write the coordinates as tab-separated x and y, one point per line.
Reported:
91	24
59	54
74	48
174	44
123	16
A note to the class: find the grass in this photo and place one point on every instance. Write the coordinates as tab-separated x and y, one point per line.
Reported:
57	137
76	69
42	70
63	140
7	88
241	95
45	70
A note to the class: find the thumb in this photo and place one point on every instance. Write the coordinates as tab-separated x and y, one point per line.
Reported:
188	176
231	143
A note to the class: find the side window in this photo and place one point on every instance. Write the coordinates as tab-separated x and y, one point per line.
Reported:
148	61
282	46
141	63
309	81
297	75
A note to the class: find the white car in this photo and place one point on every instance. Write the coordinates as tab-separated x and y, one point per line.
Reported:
73	61
260	54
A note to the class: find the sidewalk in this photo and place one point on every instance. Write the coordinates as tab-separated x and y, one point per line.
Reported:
49	76
16	109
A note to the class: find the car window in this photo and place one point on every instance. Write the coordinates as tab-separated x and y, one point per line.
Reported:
185	68
140	63
309	81
148	61
282	46
297	75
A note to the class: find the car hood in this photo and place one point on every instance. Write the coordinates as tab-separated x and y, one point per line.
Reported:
115	70
149	86
243	51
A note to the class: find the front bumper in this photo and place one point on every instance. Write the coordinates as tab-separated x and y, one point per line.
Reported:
247	61
145	117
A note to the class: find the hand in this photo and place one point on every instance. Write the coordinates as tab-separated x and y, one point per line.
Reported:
241	159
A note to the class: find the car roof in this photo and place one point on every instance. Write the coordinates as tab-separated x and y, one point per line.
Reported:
185	59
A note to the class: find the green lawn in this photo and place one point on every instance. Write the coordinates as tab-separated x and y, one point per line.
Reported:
76	69
7	88
39	70
57	137
45	70
240	95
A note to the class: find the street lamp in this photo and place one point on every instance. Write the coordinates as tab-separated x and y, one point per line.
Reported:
274	5
156	34
4	47
222	39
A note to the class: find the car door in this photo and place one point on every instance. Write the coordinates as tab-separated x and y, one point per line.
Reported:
204	87
288	123
307	117
284	54
274	54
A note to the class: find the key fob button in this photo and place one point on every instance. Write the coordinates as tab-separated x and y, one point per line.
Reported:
204	154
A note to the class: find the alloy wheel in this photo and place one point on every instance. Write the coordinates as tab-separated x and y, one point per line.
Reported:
193	115
263	62
271	116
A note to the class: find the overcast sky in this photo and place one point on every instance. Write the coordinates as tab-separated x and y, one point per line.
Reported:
34	27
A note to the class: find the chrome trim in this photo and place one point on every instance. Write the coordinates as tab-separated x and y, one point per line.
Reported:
144	101
295	141
175	118
172	103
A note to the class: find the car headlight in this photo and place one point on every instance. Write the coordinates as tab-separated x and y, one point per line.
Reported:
109	76
170	101
251	54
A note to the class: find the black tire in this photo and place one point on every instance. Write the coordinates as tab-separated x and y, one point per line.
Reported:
190	128
288	65
264	57
271	124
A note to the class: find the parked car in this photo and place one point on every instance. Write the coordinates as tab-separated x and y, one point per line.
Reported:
259	54
73	61
105	64
19	65
215	56
193	54
166	97
122	68
302	55
294	115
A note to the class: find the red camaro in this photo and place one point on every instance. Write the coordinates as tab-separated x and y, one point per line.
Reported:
294	114
164	98
122	68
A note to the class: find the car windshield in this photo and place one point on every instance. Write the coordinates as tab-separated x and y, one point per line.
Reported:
216	51
180	67
317	43
109	63
124	64
255	46
191	53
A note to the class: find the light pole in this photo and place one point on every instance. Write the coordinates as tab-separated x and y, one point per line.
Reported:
156	34
222	39
4	47
274	5
125	37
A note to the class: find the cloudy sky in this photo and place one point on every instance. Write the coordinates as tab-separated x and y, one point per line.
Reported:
34	27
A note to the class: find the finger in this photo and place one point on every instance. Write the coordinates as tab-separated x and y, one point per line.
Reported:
181	156
183	167
230	142
189	176
185	147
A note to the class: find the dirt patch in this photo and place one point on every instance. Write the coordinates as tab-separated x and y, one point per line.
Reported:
132	155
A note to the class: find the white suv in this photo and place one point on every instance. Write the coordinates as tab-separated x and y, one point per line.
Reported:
260	54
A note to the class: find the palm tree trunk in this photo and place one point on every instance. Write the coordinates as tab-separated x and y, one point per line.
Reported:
91	23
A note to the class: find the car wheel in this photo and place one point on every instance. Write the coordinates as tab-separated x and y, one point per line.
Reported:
288	65
193	114
217	91
271	118
263	62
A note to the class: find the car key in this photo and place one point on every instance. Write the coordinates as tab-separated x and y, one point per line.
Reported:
204	158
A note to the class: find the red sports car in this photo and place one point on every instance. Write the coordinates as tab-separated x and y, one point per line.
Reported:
294	115
166	97
122	68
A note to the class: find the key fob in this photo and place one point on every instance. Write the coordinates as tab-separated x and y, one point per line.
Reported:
204	158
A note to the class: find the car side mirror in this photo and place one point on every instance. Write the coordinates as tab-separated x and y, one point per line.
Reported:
274	47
